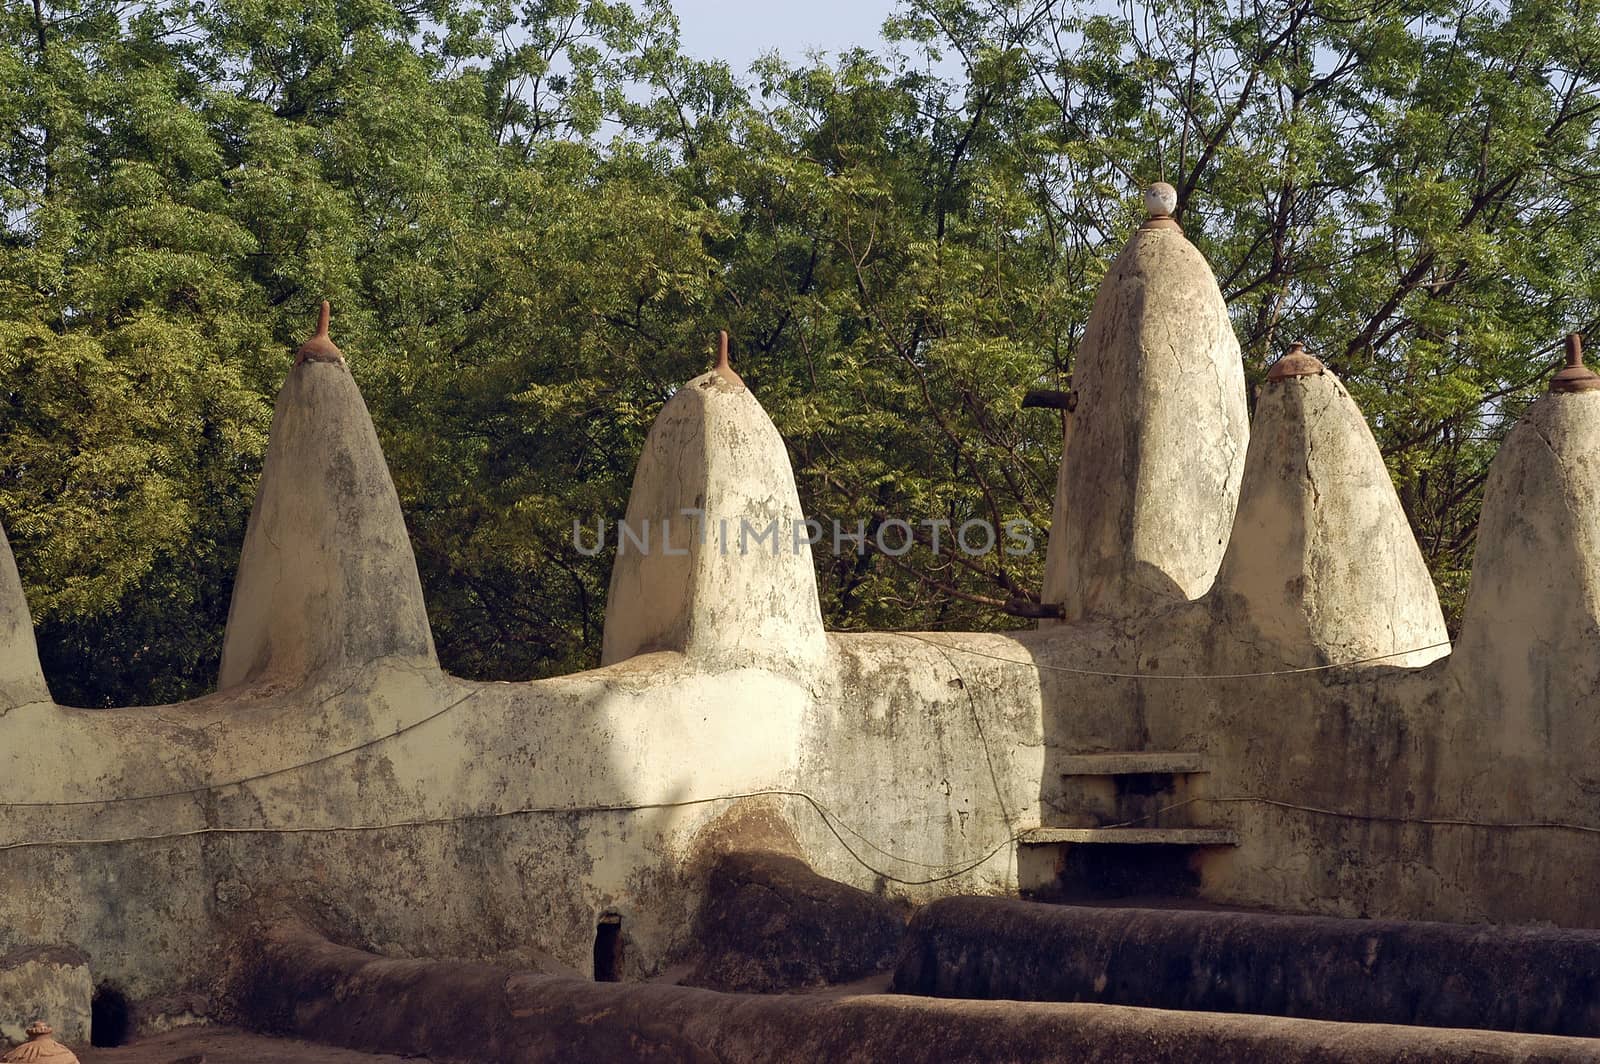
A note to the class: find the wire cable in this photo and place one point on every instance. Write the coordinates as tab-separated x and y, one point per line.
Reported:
830	820
203	788
1172	675
826	815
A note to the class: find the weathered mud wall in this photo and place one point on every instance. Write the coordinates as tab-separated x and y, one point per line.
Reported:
417	814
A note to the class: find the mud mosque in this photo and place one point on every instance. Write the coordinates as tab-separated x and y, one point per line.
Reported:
1243	799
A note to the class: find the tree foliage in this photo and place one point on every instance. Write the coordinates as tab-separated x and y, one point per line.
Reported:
532	218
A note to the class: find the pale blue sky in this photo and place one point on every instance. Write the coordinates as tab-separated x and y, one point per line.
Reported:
742	32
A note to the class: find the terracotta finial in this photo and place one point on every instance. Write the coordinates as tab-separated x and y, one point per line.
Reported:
722	367
40	1047
1160	200
1575	376
1296	363
320	348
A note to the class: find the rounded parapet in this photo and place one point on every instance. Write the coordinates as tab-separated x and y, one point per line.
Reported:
1532	624
1158	436
1321	559
21	678
327	581
714	556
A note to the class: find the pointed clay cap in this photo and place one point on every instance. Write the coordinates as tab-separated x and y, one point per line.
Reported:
1575	376
1160	200
1296	363
722	367
319	348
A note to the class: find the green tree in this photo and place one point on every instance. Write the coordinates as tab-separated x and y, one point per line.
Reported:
1410	188
128	345
531	220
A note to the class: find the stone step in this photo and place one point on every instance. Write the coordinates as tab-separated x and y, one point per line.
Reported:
1134	763
1130	836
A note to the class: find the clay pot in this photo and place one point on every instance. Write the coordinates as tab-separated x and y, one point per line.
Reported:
40	1046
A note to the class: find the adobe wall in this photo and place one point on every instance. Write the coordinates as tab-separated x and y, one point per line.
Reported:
413	813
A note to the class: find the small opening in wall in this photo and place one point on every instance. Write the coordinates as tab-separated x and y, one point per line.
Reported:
608	949
109	1016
